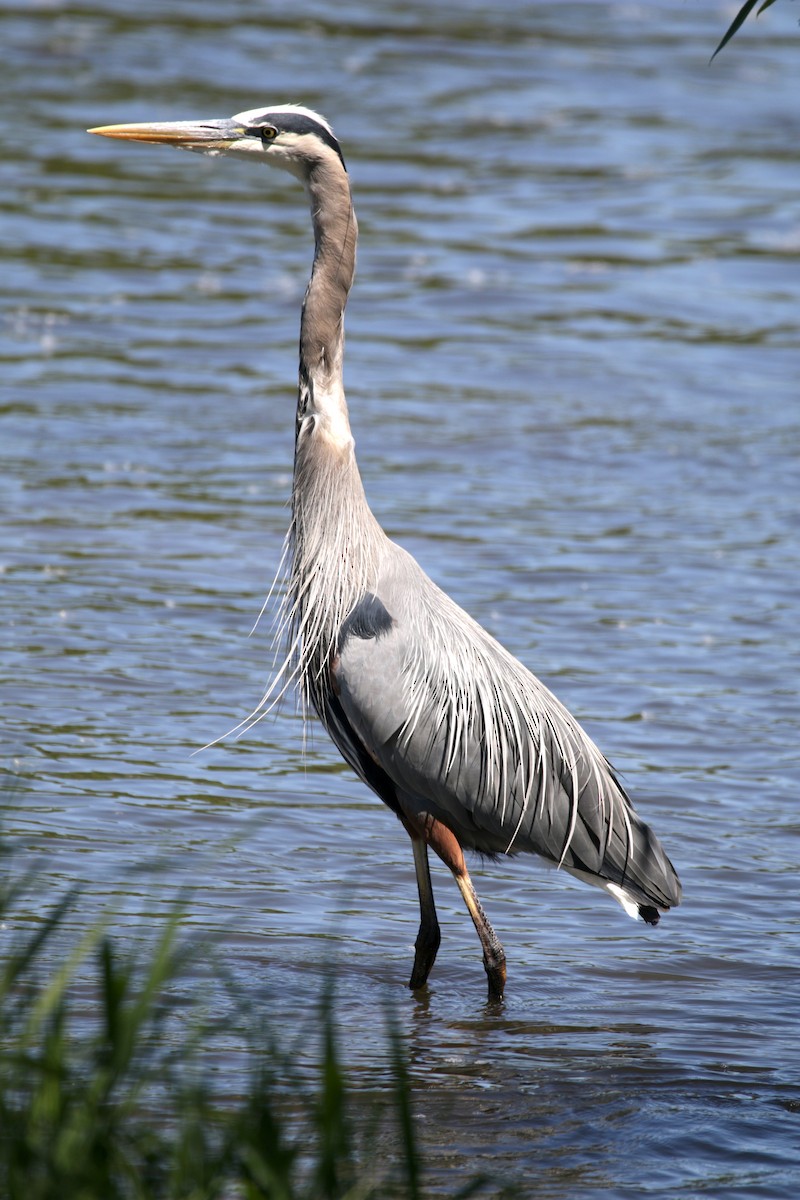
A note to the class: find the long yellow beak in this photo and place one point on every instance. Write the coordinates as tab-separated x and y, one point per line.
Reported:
187	135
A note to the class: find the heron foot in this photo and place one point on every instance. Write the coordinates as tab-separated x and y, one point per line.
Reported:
496	974
425	949
419	976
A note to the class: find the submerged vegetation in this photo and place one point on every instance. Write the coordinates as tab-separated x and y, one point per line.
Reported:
108	1083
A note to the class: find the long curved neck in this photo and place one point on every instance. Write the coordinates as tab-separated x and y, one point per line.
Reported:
336	543
321	389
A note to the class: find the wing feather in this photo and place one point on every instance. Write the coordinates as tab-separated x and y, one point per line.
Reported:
468	734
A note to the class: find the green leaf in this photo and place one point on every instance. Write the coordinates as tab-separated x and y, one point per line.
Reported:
738	21
402	1091
51	996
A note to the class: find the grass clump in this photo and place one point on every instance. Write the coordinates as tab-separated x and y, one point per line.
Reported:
107	1092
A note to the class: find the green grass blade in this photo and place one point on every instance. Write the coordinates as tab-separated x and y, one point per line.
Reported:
332	1125
51	996
402	1096
21	959
735	25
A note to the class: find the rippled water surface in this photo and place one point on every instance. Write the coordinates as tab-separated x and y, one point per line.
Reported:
573	379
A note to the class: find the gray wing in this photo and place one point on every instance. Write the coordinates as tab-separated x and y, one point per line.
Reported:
438	718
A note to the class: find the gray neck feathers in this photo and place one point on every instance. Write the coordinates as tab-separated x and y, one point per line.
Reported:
335	542
335	237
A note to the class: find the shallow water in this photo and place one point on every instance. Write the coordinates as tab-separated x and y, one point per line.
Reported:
573	379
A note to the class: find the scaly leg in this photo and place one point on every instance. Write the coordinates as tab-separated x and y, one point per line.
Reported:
447	846
494	958
429	935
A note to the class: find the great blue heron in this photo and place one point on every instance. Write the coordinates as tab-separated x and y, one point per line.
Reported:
457	737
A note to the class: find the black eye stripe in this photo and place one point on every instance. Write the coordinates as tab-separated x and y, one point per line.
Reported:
298	123
261	131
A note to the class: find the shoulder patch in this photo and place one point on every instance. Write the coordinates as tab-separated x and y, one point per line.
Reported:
369	619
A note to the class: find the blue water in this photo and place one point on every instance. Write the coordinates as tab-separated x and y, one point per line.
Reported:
573	378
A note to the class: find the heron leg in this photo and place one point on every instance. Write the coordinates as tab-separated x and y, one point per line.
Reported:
429	935
448	847
494	958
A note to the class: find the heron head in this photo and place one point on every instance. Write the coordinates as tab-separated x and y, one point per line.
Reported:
286	135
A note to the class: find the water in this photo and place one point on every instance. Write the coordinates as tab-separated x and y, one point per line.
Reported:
573	379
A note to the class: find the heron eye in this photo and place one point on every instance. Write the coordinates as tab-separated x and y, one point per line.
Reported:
267	132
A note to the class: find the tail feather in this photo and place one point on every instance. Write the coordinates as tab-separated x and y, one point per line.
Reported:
638	875
648	912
